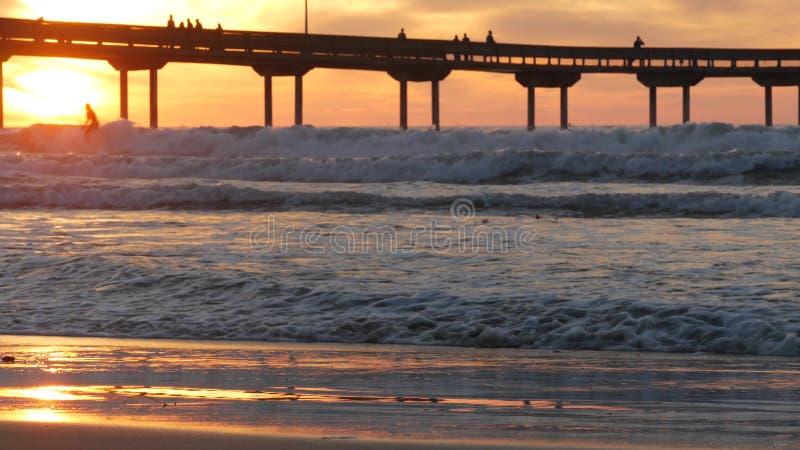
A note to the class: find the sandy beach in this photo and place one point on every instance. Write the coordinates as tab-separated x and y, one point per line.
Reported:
115	393
37	436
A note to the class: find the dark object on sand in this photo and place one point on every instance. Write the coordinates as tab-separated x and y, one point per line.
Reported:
8	359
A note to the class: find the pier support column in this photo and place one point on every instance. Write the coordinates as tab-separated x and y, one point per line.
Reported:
298	100
435	104
404	105
418	74
653	107
798	105
268	101
683	79
283	70
687	104
768	105
123	94
2	112
126	65
153	98
547	79
531	108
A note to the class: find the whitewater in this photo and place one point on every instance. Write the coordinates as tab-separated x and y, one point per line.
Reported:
680	239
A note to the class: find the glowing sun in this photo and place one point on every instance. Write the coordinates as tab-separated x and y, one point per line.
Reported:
54	94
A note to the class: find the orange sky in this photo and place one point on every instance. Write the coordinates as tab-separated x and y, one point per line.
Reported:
42	90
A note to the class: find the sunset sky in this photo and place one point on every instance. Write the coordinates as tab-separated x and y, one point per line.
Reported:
50	90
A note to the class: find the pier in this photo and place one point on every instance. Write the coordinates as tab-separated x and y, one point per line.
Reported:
134	48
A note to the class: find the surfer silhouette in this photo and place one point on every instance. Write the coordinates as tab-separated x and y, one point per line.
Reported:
91	123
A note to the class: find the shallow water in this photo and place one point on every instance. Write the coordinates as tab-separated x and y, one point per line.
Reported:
655	284
356	392
680	239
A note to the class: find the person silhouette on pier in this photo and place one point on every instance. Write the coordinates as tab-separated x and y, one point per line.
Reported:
402	34
189	25
456	55
467	44
638	43
91	123
171	23
182	26
492	47
197	24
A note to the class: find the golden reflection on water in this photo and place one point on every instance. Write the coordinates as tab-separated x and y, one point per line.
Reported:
37	415
53	393
181	395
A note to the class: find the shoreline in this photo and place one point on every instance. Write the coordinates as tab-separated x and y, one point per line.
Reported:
331	396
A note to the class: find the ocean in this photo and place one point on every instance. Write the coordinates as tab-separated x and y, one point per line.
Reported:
674	239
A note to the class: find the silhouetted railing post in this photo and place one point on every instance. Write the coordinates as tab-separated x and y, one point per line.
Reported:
768	105
153	98
531	108
435	103
298	100
123	94
267	100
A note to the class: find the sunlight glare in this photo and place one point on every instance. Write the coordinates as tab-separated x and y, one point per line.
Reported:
41	415
54	94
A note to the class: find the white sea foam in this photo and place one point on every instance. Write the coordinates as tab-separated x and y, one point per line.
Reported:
698	153
124	300
21	192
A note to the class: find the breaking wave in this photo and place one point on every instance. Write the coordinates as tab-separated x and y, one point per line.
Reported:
199	195
705	153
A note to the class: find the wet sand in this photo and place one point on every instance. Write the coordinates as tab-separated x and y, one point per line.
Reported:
38	436
114	393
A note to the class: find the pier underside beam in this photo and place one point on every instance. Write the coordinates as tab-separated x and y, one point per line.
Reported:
547	79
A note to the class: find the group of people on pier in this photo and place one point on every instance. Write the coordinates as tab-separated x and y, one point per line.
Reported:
188	25
468	56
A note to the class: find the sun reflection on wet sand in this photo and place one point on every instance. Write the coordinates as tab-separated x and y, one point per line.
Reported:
390	391
36	415
52	393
